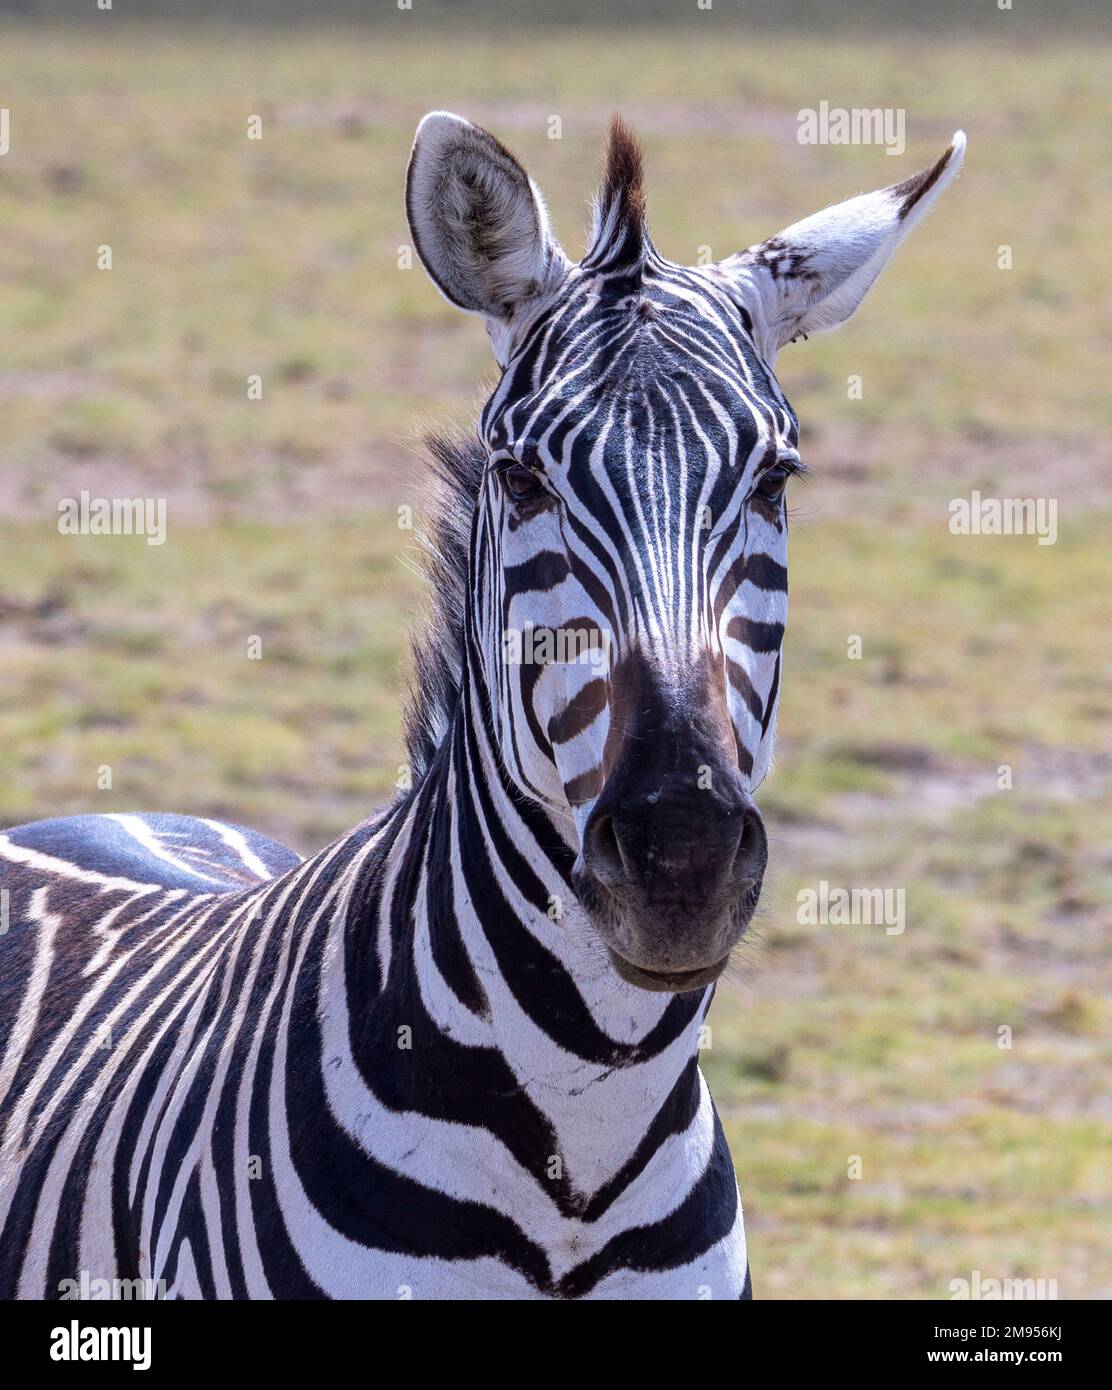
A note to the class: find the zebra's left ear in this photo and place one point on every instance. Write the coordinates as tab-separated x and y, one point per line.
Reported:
479	224
815	273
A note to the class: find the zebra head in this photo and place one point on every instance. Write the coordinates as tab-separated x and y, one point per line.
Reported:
628	557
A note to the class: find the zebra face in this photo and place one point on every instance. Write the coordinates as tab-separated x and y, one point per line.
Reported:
629	553
635	511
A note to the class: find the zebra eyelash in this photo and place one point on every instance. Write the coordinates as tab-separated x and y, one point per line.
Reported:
502	460
792	464
526	504
499	465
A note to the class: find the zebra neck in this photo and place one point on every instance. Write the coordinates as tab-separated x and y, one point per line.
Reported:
495	994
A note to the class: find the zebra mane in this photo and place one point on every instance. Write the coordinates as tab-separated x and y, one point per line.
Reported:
437	645
619	236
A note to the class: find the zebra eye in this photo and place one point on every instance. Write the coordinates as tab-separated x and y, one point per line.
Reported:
771	483
520	482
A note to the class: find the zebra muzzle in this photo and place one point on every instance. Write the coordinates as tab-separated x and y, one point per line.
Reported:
672	880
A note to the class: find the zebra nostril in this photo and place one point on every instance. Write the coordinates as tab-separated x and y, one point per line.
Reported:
603	853
752	850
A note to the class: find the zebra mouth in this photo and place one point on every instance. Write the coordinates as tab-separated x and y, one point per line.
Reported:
667	981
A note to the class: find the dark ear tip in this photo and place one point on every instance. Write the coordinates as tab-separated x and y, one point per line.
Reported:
914	189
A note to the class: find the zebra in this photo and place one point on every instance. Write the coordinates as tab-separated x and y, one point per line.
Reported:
455	1054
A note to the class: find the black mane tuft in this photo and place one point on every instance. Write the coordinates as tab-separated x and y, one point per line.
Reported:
438	644
620	240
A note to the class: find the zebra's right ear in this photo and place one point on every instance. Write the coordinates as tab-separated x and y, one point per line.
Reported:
479	224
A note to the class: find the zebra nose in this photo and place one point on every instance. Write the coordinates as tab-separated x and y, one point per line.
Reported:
674	846
602	851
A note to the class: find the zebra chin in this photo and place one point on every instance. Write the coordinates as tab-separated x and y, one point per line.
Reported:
663	947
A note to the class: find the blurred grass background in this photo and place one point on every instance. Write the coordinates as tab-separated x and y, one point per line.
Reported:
280	257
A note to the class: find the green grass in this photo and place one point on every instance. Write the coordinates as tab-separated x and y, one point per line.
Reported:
139	658
280	257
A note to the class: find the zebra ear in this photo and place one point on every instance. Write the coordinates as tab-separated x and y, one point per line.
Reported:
815	273
478	222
